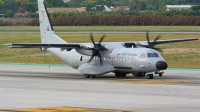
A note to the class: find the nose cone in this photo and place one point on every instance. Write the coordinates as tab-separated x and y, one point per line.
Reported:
161	65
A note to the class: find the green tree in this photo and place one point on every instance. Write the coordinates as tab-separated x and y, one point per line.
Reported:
1	6
10	5
23	1
197	7
2	2
9	14
54	3
137	5
30	7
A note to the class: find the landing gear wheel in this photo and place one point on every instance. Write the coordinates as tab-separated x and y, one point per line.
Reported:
120	74
160	74
117	74
93	76
140	74
86	76
123	75
149	76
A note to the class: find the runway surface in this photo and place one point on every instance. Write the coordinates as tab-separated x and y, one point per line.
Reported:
61	88
105	32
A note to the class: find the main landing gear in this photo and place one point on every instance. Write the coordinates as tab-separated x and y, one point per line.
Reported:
149	76
120	74
88	76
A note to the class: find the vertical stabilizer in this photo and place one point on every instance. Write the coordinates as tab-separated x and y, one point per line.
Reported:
46	29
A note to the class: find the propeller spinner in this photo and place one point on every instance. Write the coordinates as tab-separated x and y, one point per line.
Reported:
151	44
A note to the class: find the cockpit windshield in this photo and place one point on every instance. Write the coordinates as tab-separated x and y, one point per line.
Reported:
152	55
156	54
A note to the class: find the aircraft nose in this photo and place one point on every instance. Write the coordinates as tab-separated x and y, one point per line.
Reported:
161	65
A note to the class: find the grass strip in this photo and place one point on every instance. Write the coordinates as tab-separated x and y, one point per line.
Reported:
107	28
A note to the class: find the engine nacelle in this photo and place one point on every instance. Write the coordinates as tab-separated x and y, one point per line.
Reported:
84	51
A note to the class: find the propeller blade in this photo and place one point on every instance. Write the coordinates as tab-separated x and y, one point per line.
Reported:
96	48
151	44
143	45
158	49
147	35
91	57
102	39
92	39
101	61
158	37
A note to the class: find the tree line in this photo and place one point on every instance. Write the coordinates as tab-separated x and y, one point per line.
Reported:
27	8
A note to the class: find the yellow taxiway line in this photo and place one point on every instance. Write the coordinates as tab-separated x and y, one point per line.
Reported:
62	109
153	81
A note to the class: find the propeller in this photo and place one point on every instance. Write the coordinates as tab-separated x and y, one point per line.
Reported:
97	47
151	44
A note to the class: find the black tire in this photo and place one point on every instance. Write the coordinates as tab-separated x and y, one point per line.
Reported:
93	76
149	76
86	76
123	75
117	74
140	74
160	74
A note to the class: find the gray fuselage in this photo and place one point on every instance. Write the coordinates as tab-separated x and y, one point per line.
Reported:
123	59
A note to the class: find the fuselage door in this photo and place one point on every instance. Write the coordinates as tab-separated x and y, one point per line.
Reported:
76	60
132	62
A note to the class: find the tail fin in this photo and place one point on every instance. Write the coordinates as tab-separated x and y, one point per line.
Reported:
46	29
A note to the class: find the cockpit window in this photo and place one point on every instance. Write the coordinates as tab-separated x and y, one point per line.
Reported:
150	55
156	54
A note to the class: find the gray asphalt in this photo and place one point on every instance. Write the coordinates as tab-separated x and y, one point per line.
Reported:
40	86
107	32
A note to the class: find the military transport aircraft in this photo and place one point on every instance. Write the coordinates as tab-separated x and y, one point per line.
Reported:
98	58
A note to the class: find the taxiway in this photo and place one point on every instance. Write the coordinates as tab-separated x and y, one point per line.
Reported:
38	86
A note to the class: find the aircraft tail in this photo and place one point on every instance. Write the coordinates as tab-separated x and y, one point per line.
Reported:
46	29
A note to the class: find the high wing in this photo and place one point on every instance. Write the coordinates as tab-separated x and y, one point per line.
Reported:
126	44
134	44
173	40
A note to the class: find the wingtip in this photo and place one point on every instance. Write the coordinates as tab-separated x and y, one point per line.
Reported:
8	44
